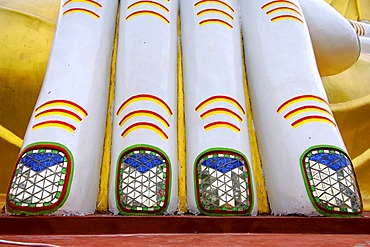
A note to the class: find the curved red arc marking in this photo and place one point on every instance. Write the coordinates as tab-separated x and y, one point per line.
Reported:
284	8
221	123
222	109
55	122
279	1
216	10
148	11
90	1
216	20
307	107
58	111
301	97
138	124
312	117
287	16
62	102
83	10
148	1
144	96
219	1
220	97
144	111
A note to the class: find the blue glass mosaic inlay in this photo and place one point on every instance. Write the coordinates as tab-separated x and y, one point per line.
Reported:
40	161
332	160
222	164
143	162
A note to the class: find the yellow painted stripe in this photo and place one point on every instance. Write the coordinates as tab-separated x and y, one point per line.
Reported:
181	140
10	137
55	125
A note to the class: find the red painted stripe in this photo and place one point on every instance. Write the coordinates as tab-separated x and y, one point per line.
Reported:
311	118
216	10
287	16
301	97
220	97
62	102
82	10
145	112
58	111
216	20
221	109
152	2
279	1
221	123
90	1
138	124
284	8
306	107
219	1
148	11
55	122
144	96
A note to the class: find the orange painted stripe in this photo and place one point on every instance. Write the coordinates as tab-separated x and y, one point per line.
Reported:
215	21
63	102
205	11
286	17
84	1
355	27
363	31
283	9
148	12
309	119
82	10
144	113
139	97
144	125
305	109
300	99
219	98
58	111
222	111
148	2
221	124
55	123
360	30
279	2
214	1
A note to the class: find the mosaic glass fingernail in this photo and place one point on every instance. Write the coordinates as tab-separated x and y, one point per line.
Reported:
40	180
143	181
332	183
223	183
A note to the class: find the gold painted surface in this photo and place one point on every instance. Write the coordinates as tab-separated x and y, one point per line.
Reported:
2	201
352	9
364	9
347	8
27	29
349	97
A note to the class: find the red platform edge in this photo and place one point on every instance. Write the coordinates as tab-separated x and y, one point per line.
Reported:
108	224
